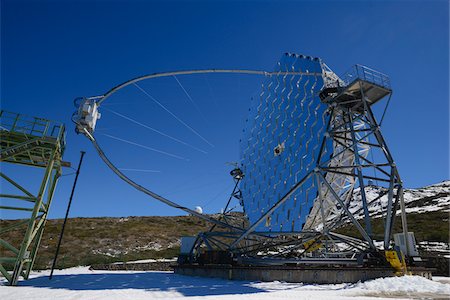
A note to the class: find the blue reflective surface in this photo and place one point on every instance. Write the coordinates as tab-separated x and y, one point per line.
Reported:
281	142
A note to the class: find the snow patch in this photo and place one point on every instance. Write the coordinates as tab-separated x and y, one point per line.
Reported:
405	284
143	261
82	283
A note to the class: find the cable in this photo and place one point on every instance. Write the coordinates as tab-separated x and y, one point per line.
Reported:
190	98
173	115
148	192
154	130
145	147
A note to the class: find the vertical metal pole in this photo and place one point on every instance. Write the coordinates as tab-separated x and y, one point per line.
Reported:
389	219
67	214
404	221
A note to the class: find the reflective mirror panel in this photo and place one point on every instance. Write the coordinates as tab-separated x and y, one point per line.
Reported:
281	142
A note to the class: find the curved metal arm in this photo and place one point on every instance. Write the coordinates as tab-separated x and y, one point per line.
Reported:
150	193
98	100
190	72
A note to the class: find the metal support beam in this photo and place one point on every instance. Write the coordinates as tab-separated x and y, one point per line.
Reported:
387	225
349	214
270	211
360	176
24	252
25	145
404	221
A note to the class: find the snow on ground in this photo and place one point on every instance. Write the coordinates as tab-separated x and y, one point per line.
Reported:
143	261
82	283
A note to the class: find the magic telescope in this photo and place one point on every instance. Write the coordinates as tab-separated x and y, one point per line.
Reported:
306	158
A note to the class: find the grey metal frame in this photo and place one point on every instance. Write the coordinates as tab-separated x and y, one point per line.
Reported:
245	241
387	172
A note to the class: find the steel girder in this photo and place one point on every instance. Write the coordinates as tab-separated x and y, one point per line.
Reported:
30	142
353	131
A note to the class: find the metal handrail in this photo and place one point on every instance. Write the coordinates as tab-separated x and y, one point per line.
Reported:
32	126
367	74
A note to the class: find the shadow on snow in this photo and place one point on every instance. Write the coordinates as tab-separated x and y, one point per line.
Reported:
149	281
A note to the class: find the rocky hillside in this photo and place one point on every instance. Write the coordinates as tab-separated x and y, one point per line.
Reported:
103	240
427	211
431	198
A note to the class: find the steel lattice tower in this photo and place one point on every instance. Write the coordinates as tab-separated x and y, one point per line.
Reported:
310	148
30	142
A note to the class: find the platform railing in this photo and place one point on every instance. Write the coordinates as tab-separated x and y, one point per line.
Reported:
32	126
366	74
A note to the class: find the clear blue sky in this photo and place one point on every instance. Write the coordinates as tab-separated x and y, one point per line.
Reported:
54	51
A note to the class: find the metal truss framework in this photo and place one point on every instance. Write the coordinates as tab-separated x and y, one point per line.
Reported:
87	109
353	131
30	142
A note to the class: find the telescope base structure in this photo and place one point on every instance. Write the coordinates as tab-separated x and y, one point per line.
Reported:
303	274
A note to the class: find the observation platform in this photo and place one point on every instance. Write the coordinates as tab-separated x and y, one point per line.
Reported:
355	85
30	140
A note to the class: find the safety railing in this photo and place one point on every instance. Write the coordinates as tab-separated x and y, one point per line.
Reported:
366	74
31	126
